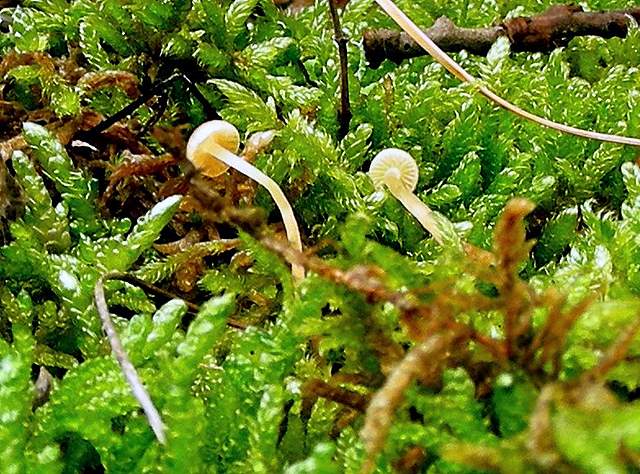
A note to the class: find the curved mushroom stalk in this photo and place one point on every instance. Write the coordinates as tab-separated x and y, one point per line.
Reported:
415	206
454	68
398	171
288	218
211	148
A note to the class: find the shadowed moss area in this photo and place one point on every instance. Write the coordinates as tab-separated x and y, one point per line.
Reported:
508	347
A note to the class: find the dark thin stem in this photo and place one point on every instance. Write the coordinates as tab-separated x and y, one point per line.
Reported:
150	288
128	370
344	396
193	88
156	89
305	73
344	115
132	107
162	103
554	335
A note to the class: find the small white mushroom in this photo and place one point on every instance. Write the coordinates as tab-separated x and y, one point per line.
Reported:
398	171
212	149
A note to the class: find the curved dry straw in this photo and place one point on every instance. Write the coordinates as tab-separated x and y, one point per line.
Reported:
454	68
212	147
127	368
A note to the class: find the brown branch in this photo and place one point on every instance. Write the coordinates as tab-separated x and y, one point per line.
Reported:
511	247
462	74
554	334
397	46
344	115
424	360
540	33
319	388
411	461
367	281
615	354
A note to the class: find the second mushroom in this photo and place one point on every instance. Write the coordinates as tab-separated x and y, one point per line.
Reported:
397	170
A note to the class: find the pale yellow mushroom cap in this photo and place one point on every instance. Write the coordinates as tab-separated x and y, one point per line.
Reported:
198	146
396	162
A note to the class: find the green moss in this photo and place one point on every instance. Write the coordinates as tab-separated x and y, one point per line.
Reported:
237	400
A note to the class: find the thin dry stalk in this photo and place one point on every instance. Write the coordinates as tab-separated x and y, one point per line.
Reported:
454	68
345	417
615	354
156	290
554	302
128	370
420	319
422	359
345	107
554	339
511	248
319	388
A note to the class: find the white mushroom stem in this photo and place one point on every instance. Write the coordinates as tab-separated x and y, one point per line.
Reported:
454	68
234	161
415	206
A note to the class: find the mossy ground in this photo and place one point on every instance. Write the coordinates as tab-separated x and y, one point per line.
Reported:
516	355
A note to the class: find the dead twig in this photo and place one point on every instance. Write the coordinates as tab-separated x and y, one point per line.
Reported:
398	46
344	115
157	88
458	71
616	352
539	33
511	248
318	388
137	165
554	334
153	289
420	319
423	360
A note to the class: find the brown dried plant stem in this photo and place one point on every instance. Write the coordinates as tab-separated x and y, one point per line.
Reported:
457	70
366	280
510	248
616	352
424	360
153	289
349	398
156	89
553	28
344	115
552	336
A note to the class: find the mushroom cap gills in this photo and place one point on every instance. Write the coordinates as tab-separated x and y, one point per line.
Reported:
395	162
214	131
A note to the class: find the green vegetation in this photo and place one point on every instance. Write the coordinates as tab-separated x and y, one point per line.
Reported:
394	353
